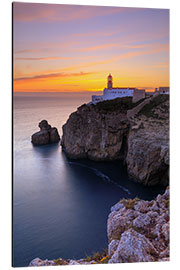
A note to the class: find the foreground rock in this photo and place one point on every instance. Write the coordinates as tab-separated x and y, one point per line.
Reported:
39	262
138	231
46	135
107	131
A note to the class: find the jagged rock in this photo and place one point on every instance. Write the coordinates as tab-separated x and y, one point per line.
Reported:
165	231
142	221
140	233
133	247
112	247
142	206
39	262
46	135
73	262
117	207
118	222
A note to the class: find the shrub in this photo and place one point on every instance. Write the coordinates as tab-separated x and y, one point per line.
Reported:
118	104
147	110
130	203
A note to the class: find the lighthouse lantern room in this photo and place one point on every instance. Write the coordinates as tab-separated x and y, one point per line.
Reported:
109	82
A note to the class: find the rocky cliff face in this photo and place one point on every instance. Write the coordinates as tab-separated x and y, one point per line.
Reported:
90	133
138	231
115	130
148	152
148	143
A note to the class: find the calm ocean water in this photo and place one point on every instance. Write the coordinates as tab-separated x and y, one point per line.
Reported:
60	206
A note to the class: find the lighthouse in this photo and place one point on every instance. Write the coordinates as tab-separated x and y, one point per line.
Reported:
109	82
111	92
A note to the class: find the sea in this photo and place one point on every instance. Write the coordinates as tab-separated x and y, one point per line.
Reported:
61	206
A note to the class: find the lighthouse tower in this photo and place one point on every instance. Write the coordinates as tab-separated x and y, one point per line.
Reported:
109	82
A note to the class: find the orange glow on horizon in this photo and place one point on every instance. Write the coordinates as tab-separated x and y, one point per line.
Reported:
74	48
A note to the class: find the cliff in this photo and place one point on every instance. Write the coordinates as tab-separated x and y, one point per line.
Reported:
138	231
137	133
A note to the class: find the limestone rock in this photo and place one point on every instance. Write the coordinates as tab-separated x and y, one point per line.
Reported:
141	221
89	133
39	262
73	262
112	247
46	135
147	157
117	207
118	222
133	247
139	231
148	147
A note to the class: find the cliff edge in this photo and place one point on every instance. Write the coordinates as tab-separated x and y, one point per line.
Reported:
122	130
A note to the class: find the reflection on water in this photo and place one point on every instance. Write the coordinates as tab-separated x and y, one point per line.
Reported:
60	205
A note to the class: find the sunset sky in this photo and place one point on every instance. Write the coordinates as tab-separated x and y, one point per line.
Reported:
74	48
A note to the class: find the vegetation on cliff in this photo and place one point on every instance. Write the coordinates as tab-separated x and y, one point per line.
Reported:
149	110
116	105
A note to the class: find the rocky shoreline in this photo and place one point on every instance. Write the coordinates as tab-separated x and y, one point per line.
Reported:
138	231
138	134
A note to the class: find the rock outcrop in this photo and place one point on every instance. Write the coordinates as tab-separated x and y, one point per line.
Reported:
138	231
89	133
148	145
116	130
46	135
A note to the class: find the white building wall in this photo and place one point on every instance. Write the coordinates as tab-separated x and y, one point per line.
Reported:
109	94
116	93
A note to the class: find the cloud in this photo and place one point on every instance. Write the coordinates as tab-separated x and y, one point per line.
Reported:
29	12
39	47
28	51
53	58
161	65
152	50
52	75
106	33
110	46
41	58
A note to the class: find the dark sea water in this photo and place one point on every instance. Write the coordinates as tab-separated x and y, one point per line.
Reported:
61	206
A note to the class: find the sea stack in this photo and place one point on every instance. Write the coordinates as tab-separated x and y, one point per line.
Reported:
46	135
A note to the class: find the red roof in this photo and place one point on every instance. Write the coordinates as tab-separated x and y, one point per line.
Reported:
131	88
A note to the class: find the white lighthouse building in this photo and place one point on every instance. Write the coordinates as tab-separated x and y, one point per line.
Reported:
113	92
